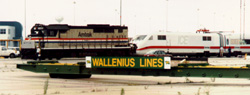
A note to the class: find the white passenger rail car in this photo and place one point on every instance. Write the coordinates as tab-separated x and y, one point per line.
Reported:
192	44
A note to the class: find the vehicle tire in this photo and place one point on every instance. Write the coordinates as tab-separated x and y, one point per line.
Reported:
12	55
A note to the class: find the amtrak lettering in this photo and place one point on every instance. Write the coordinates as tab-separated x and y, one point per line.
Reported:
84	34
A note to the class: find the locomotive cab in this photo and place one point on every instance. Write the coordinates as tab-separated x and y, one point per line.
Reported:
37	31
40	30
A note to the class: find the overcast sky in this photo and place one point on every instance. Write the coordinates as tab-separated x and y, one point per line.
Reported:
141	16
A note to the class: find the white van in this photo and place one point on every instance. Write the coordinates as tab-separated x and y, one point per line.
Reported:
8	52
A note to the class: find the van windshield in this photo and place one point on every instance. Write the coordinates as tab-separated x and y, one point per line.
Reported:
4	48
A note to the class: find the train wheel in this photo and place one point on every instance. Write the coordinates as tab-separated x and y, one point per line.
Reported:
189	56
35	57
207	54
58	58
237	53
218	55
199	55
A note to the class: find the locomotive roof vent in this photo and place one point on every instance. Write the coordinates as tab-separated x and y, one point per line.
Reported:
58	24
58	27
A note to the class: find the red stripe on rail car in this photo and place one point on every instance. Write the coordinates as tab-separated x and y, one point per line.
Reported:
78	38
244	47
227	47
172	47
190	47
214	47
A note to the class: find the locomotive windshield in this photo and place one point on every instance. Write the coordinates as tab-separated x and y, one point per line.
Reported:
37	30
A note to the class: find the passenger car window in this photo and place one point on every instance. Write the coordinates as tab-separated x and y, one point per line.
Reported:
161	37
207	38
162	52
156	52
151	38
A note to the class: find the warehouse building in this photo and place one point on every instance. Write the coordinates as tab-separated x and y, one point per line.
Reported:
10	30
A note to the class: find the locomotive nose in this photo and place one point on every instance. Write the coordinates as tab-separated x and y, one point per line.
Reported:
133	47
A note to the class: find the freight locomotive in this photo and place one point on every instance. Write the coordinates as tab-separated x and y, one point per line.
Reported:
202	43
62	40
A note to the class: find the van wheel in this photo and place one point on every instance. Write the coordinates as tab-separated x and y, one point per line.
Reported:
12	55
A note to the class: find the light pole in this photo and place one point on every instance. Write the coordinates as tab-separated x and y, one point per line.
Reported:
167	16
244	14
240	18
74	12
24	19
120	12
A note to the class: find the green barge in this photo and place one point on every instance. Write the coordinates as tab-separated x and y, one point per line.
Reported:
143	66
